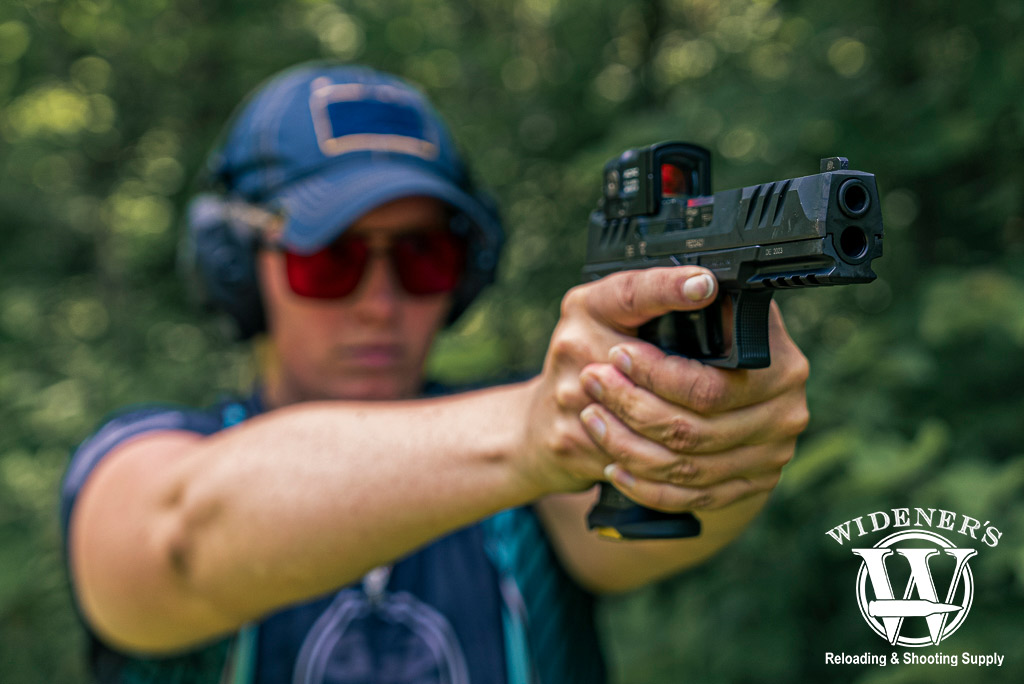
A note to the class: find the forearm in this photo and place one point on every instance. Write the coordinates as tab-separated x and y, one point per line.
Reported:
316	494
287	506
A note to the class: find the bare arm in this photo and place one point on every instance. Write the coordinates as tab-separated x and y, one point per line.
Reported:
177	538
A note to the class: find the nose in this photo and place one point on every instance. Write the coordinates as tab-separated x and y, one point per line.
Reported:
377	296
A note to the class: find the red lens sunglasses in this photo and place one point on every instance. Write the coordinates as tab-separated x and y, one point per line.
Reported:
425	262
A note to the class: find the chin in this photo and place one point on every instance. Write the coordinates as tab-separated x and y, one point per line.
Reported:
376	389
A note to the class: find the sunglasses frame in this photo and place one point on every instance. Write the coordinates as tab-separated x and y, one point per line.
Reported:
454	249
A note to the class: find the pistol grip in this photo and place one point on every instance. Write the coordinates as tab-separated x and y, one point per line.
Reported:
701	335
697	335
616	517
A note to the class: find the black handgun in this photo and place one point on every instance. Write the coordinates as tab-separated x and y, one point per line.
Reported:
657	209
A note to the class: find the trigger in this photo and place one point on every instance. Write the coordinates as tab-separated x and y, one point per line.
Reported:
750	329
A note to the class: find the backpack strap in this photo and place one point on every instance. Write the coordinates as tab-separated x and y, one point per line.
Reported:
499	548
550	635
240	667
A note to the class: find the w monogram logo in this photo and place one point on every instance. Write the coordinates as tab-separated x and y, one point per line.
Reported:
918	557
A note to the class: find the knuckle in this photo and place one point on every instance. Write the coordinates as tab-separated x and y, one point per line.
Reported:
782	458
800	418
683	471
628	291
628	410
573	301
559	445
801	370
681	435
568	394
562	441
793	420
705	393
702	501
567	346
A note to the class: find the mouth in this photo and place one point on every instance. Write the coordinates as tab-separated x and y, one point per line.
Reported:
373	356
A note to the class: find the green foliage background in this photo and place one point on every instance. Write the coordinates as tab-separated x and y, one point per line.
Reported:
108	107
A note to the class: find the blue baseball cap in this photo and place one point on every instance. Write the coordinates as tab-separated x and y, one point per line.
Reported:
326	143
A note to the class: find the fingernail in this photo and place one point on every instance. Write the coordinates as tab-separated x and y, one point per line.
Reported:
621	359
593	387
613	472
594	423
699	287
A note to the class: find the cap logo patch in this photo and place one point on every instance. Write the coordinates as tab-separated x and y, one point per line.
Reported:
356	117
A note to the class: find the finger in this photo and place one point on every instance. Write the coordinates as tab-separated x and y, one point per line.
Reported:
652	461
709	390
626	300
682	430
638	455
676	428
674	499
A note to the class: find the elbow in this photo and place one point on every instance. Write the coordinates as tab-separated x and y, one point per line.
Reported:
136	541
139	590
183	551
176	536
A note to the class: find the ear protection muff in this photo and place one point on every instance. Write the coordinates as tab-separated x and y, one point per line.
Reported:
218	259
485	244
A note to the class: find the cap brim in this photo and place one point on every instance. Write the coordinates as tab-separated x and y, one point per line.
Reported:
320	208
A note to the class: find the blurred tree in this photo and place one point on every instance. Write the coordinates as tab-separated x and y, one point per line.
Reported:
107	110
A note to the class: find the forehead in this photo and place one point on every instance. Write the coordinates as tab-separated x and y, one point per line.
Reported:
404	215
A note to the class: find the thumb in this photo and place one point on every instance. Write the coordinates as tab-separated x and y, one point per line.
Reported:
628	299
